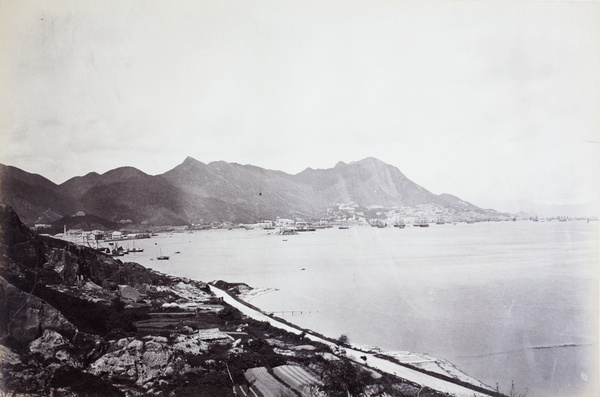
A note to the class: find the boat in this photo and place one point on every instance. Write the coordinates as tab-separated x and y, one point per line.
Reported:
378	223
440	221
115	251
135	249
421	223
307	229
162	257
400	224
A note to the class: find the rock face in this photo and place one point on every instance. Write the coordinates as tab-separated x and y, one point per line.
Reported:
53	346
43	352
146	361
25	316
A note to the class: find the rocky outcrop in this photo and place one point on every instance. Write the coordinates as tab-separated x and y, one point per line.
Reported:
9	221
25	317
53	346
148	362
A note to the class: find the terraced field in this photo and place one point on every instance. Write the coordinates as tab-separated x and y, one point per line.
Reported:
282	381
266	385
298	378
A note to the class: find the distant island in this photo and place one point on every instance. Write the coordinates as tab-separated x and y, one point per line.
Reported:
194	193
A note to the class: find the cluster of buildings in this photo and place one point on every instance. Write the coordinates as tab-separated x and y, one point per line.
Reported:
341	214
84	237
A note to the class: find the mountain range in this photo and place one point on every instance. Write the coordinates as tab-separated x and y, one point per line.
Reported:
195	192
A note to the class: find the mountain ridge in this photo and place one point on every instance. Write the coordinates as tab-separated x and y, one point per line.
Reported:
196	192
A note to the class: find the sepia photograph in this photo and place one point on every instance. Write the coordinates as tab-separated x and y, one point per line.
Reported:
283	198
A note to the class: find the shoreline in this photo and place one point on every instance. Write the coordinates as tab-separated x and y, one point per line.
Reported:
378	360
255	293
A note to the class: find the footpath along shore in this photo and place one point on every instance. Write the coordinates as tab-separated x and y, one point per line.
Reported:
356	355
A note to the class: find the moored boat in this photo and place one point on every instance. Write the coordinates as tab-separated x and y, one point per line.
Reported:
400	224
135	249
421	223
162	257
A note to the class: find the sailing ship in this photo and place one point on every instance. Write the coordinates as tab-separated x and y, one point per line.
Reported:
116	251
162	257
422	222
344	225
135	249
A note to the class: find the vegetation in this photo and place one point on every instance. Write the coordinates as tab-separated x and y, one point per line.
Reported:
341	378
343	340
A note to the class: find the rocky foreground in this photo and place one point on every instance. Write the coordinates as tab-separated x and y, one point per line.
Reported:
76	322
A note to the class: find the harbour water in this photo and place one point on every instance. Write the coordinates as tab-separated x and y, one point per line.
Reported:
505	302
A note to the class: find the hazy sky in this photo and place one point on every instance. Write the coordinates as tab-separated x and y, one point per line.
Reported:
496	102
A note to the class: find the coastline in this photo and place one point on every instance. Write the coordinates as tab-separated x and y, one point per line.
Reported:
374	358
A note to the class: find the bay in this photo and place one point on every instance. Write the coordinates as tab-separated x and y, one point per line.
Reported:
505	302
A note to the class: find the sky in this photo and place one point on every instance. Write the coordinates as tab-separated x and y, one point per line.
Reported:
494	102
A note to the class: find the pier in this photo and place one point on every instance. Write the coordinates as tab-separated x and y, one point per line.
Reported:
292	312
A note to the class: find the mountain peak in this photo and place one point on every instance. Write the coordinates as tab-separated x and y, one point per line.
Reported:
190	160
122	173
189	163
369	160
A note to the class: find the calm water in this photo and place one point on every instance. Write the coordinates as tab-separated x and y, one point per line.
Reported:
511	301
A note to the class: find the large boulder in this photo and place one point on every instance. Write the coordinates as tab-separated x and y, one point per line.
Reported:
119	363
53	346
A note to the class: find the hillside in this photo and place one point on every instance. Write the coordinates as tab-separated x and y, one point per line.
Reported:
369	182
37	199
78	186
195	192
255	192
